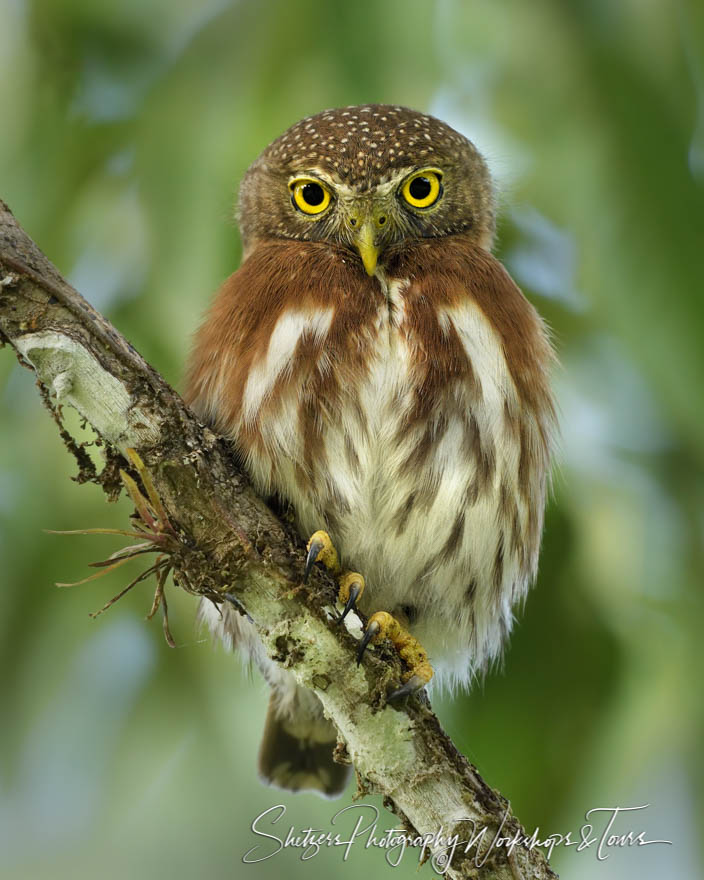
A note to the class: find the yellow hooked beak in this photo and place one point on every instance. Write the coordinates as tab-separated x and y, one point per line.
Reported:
364	242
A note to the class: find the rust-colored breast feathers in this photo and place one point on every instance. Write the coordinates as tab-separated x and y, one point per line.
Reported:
409	414
279	278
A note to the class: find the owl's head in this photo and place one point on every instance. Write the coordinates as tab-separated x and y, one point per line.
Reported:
369	179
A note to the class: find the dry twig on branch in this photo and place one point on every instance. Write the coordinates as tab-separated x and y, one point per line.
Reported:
223	539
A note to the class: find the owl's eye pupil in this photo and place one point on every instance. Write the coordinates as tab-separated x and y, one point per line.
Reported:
420	188
308	196
313	194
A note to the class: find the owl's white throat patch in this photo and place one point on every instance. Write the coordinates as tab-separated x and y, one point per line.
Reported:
393	290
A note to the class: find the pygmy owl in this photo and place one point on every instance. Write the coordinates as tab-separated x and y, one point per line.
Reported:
377	369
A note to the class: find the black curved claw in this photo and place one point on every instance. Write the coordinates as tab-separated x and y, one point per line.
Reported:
414	683
313	553
371	631
355	590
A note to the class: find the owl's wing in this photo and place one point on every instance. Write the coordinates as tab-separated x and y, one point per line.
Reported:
272	318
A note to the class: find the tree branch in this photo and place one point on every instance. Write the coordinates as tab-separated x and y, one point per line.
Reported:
228	541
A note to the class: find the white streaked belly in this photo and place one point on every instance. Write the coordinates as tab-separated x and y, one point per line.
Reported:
459	632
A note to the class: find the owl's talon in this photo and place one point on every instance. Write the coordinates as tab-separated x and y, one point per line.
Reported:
314	548
321	549
382	624
371	633
355	592
414	683
351	588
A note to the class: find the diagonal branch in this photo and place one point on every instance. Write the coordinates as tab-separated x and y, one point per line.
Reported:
228	541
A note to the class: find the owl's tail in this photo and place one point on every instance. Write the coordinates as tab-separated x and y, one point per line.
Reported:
296	752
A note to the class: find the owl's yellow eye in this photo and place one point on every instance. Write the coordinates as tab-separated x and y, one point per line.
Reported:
309	195
423	188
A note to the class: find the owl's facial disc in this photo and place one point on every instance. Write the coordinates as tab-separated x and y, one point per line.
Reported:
368	220
374	218
361	216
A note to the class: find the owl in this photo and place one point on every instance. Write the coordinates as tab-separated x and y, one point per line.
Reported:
378	371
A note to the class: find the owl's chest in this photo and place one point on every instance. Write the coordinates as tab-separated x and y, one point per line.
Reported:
410	419
401	440
392	437
364	438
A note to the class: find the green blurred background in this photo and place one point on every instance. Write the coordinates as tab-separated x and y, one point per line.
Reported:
124	130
